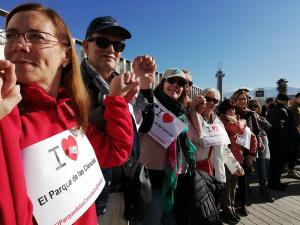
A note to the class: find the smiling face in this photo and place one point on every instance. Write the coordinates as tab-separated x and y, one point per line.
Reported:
230	112
36	64
173	90
242	101
212	100
104	60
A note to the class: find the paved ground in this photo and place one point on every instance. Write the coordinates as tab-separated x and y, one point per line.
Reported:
285	210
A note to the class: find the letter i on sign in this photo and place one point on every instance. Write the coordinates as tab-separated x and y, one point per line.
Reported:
159	109
60	164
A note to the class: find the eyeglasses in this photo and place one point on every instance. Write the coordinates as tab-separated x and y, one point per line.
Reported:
190	83
209	99
179	81
103	42
33	37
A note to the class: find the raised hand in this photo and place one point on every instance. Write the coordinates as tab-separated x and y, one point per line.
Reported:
125	85
198	103
144	67
10	92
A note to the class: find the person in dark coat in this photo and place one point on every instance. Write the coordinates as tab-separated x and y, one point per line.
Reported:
282	140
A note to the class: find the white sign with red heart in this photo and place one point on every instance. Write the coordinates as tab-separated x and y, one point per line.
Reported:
63	177
214	134
166	126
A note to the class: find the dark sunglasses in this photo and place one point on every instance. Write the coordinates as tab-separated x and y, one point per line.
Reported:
103	42
180	81
209	99
190	83
253	106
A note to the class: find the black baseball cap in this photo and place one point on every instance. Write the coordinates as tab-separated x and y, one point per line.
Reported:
107	23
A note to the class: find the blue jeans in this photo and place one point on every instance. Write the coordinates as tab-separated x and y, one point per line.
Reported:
155	214
261	166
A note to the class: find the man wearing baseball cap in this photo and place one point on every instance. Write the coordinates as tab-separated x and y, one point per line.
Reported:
104	42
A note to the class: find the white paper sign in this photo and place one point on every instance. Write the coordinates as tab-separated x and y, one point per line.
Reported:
63	177
166	126
244	139
214	135
230	161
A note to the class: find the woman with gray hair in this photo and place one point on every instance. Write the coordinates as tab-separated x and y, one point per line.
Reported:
210	157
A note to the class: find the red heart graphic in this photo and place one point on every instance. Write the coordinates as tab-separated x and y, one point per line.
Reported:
70	147
214	128
168	118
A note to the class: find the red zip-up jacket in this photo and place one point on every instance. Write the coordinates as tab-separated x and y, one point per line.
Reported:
233	129
42	117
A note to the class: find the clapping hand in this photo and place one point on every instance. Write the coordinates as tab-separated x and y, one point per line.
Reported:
125	85
10	92
144	67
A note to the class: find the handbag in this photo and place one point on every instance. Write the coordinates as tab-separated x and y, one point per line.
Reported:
205	165
194	200
248	168
138	192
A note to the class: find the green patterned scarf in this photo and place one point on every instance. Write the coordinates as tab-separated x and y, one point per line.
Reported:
181	145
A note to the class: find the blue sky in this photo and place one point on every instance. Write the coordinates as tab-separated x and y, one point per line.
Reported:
257	41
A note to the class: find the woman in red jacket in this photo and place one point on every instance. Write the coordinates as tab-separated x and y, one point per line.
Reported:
234	127
40	52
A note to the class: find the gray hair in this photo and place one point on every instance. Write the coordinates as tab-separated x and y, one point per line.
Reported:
213	90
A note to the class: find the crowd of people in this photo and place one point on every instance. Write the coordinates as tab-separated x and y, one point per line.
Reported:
46	92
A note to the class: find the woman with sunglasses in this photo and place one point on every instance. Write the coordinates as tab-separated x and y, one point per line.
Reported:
213	157
210	159
42	57
164	164
263	157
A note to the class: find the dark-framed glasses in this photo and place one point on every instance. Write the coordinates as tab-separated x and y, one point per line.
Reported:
190	83
210	99
103	42
181	82
33	37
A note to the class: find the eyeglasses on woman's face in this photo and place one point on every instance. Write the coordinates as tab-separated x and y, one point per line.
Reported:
210	99
181	82
33	37
103	42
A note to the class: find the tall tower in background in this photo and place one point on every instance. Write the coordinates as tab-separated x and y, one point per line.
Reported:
219	75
